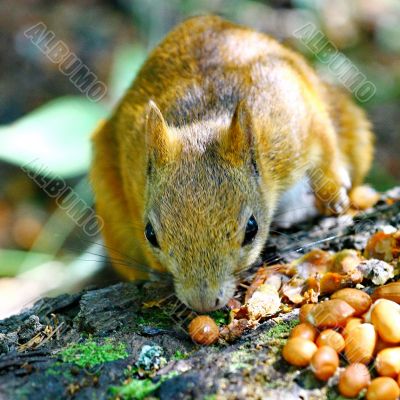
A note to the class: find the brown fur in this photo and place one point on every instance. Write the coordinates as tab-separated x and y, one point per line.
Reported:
236	120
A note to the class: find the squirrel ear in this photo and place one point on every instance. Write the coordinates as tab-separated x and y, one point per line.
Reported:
238	140
158	138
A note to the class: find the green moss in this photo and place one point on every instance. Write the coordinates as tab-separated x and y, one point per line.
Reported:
240	359
280	330
57	370
333	394
220	317
273	384
138	389
22	393
131	371
54	369
159	318
179	355
90	353
210	397
244	356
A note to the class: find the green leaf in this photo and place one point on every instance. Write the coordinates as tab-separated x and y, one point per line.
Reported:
11	261
54	137
126	64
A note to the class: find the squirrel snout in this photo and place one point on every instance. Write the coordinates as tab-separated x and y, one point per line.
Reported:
207	304
205	299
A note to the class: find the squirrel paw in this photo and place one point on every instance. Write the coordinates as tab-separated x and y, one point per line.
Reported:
331	194
338	204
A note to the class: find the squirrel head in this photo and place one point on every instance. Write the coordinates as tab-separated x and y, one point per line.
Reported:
205	215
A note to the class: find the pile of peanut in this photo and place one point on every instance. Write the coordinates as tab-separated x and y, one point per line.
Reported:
362	330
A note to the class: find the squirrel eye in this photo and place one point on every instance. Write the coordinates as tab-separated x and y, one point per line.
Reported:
251	231
151	235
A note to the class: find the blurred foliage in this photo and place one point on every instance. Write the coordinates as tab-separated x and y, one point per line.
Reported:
127	61
12	260
54	136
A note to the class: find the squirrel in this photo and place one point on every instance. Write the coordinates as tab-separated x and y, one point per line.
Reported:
220	122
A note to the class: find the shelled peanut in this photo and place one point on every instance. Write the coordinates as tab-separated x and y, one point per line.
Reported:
365	331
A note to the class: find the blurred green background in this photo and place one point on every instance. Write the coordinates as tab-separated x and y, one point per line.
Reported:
44	117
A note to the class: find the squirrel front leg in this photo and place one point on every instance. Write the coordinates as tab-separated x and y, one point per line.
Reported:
329	177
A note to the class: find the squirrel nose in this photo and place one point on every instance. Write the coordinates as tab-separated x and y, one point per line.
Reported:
208	303
206	306
220	296
204	297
